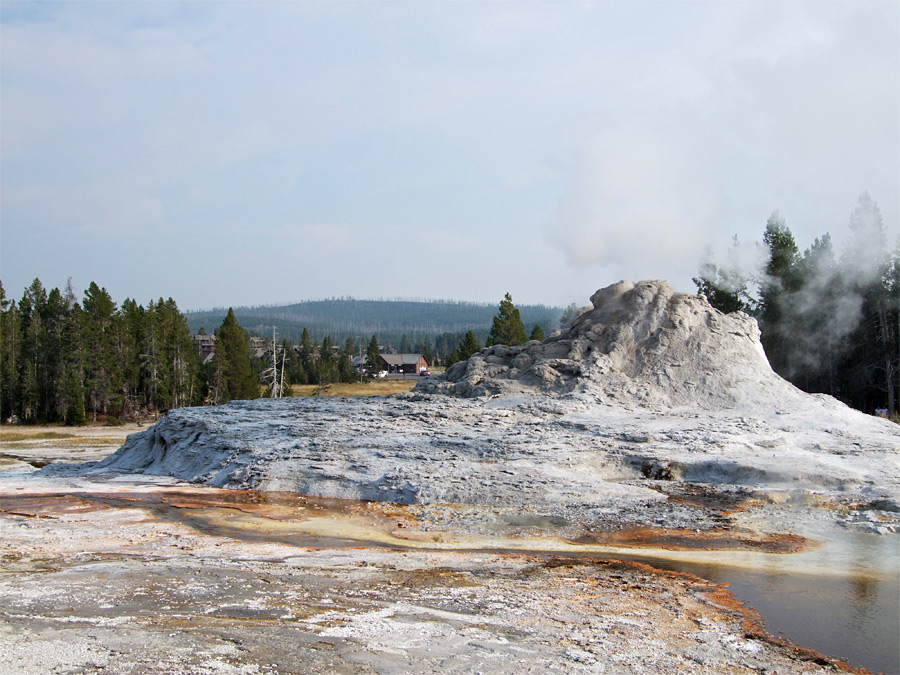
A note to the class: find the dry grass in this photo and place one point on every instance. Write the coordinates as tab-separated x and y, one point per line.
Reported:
368	388
90	433
37	435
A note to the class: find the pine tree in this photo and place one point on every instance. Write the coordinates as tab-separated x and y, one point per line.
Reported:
725	286
373	356
427	354
326	367
467	347
817	319
868	372
537	333
233	377
99	314
181	359
345	371
74	348
891	328
75	416
306	357
451	358
33	364
507	328
294	370
780	280
10	358
133	339
570	313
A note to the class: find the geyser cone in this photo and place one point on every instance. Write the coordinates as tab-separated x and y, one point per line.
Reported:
638	345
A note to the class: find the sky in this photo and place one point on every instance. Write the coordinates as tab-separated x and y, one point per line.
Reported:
246	153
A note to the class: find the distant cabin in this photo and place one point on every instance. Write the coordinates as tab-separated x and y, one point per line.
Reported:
206	345
257	346
404	363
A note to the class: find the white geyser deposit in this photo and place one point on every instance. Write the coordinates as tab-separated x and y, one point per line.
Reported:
638	346
645	386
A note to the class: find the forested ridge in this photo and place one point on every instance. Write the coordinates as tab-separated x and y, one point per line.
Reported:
419	320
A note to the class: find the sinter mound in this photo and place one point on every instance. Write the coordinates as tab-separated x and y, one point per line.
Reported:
638	345
647	383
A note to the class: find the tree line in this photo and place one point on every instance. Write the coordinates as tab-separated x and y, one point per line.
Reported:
65	360
829	323
62	360
68	361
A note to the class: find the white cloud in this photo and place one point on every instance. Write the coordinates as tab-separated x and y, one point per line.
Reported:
640	198
798	114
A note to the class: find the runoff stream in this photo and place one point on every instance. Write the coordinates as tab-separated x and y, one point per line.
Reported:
832	590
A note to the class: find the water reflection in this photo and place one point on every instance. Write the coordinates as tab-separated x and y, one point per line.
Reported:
851	612
827	615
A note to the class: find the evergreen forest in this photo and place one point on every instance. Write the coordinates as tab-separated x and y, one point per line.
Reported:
830	322
65	360
70	360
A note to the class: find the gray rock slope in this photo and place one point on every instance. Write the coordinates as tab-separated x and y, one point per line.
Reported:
646	383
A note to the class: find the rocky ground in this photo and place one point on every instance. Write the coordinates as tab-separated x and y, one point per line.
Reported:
139	576
647	384
128	573
597	468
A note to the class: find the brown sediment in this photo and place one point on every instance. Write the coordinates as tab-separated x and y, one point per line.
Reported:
36	463
47	505
685	540
283	506
395	520
552	561
703	497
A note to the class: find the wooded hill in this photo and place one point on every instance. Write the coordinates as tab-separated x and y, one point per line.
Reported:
390	320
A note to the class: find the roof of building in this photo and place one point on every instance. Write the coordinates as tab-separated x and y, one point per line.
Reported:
401	359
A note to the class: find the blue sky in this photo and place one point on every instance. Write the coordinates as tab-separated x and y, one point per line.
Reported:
230	153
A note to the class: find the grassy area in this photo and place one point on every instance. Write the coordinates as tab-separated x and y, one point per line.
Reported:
57	434
368	388
12	436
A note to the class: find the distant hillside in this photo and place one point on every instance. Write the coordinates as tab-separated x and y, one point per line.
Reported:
389	320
